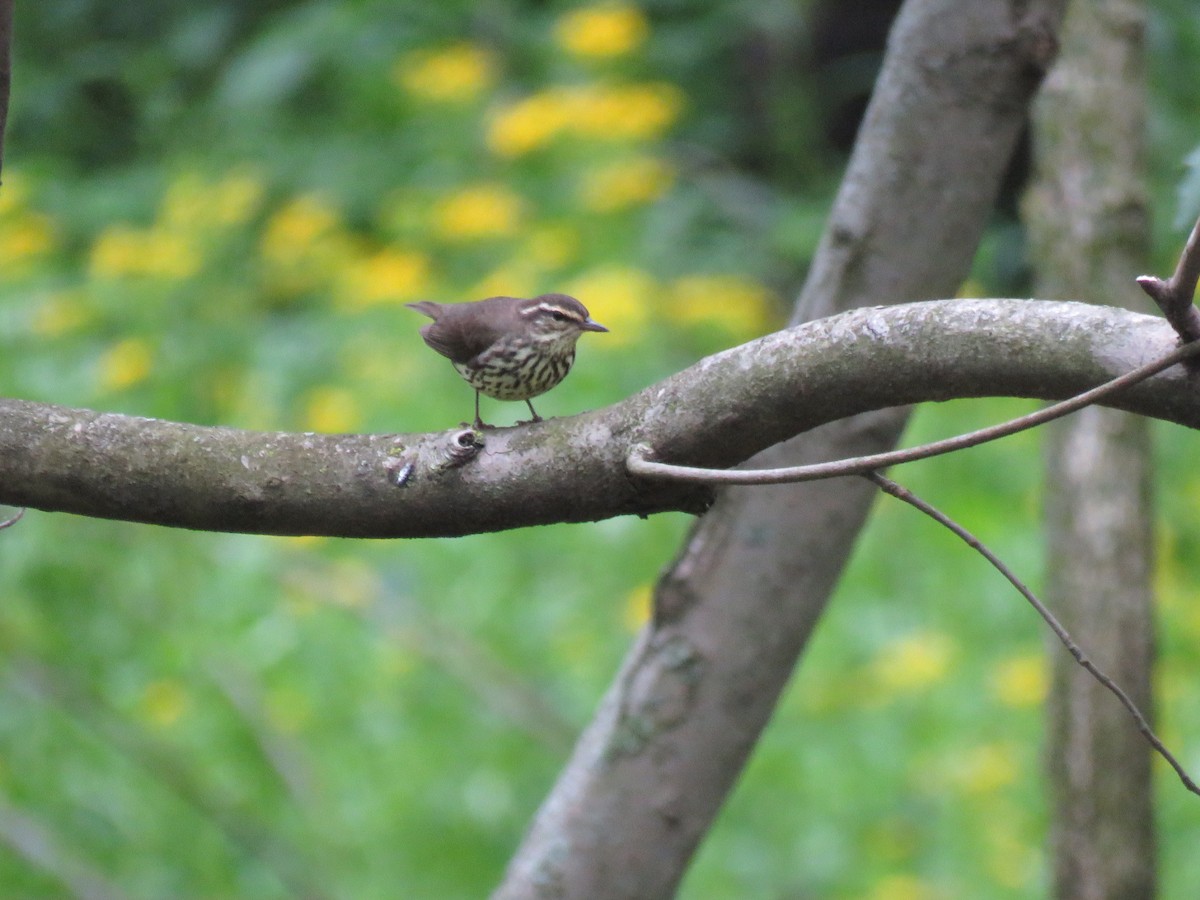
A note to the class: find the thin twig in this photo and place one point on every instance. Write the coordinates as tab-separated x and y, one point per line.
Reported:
13	519
638	461
1174	295
900	493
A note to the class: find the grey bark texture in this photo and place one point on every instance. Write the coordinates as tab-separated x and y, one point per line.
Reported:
1089	224
716	413
735	610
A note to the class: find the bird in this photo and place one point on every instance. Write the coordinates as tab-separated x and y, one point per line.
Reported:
509	348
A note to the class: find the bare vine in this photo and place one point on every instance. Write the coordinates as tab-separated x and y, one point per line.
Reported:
903	494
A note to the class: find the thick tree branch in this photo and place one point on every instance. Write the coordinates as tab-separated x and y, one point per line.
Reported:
641	460
717	413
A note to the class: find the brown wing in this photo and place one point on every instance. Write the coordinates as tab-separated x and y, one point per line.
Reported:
461	331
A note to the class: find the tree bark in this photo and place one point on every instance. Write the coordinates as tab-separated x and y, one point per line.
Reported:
717	413
1100	556
1089	223
6	30
736	609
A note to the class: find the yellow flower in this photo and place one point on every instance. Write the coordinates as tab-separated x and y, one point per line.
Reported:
594	111
60	313
116	252
14	195
304	246
191	202
913	663
620	297
485	210
1012	861
25	235
1021	681
529	124
163	702
171	256
295	227
24	239
452	75
386	276
122	251
551	246
604	30
638	604
183	201
985	769
741	306
625	112
331	410
125	364
625	183
237	198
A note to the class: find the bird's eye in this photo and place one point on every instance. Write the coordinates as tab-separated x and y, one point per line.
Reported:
558	316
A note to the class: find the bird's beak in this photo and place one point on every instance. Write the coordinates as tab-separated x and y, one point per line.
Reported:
591	325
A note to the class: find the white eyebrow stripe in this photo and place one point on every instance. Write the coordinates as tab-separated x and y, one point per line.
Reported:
549	308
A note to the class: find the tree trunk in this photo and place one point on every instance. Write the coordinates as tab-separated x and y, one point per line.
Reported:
1089	225
737	607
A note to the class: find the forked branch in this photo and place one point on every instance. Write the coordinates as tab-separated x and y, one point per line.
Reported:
1174	295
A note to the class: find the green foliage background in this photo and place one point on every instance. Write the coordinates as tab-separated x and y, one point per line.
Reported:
214	213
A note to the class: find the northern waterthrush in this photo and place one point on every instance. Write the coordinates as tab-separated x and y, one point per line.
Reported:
507	347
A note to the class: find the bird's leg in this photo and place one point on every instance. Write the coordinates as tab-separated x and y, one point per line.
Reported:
480	425
532	412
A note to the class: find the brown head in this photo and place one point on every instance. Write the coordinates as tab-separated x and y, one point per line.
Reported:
556	315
